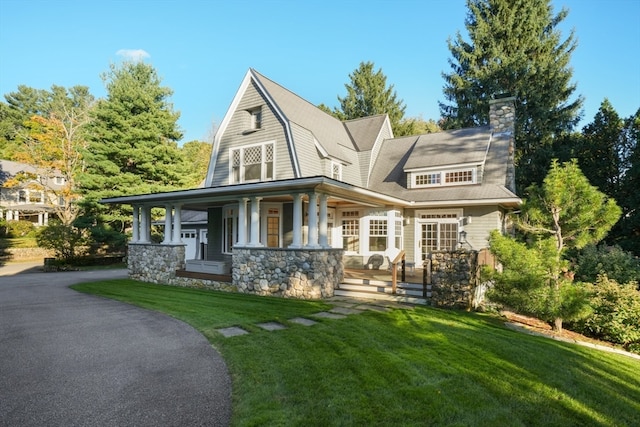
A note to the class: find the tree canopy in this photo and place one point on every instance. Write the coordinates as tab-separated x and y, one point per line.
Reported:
368	95
514	47
132	145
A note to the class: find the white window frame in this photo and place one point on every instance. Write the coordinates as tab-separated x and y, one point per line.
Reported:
439	216
438	178
351	214
255	118
336	171
242	165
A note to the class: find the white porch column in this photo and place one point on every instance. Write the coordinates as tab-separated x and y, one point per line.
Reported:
312	241
40	218
255	222
168	220
391	229
46	218
322	225
177	224
145	227
135	238
297	222
242	222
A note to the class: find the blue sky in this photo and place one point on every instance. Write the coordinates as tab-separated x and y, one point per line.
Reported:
202	49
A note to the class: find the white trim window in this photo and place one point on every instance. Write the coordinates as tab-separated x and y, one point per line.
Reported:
351	231
435	178
336	171
252	163
255	119
437	230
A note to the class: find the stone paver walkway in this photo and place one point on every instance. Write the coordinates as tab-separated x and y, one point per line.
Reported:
342	308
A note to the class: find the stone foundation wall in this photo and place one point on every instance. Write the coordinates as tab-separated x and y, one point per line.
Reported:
25	254
453	278
300	273
155	263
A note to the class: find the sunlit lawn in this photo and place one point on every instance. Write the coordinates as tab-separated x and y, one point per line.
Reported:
402	367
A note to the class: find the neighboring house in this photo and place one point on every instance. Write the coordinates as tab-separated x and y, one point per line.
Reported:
293	189
26	194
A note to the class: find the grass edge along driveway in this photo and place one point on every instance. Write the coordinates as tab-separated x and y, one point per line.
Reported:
419	366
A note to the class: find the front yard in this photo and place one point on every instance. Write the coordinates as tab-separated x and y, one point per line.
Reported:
418	366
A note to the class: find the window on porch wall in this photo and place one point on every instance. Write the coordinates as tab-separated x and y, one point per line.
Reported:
230	230
377	235
351	235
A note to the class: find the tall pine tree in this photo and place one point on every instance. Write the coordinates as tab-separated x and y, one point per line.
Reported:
132	141
514	47
368	95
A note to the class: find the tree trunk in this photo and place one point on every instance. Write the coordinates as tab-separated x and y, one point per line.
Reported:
557	324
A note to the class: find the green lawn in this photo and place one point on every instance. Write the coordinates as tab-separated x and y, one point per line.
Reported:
402	367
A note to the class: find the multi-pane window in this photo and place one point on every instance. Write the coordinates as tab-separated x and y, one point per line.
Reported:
377	235
439	231
273	228
465	176
428	179
252	163
451	177
351	231
336	171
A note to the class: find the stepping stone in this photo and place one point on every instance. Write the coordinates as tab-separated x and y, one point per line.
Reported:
345	310
303	321
232	331
327	315
373	308
271	326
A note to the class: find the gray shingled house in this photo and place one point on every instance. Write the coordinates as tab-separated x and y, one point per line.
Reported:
294	196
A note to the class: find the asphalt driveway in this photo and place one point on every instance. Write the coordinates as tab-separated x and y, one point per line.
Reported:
69	359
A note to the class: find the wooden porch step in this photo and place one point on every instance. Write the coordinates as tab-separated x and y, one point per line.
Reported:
404	288
410	294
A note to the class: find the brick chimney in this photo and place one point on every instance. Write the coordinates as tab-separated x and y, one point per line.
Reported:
502	117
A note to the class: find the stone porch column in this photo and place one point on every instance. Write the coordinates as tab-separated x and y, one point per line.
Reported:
313	221
297	222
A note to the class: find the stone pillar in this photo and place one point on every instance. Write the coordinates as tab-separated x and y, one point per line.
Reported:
322	225
242	222
177	224
313	221
297	222
255	222
168	219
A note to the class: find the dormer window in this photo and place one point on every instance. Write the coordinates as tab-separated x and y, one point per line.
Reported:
255	122
436	178
336	171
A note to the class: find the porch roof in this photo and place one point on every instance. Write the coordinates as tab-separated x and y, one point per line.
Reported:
200	198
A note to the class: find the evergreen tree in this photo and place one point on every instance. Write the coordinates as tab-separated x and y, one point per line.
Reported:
132	142
514	47
565	212
368	95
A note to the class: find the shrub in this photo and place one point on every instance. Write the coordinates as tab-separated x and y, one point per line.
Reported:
616	313
21	228
612	261
64	240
